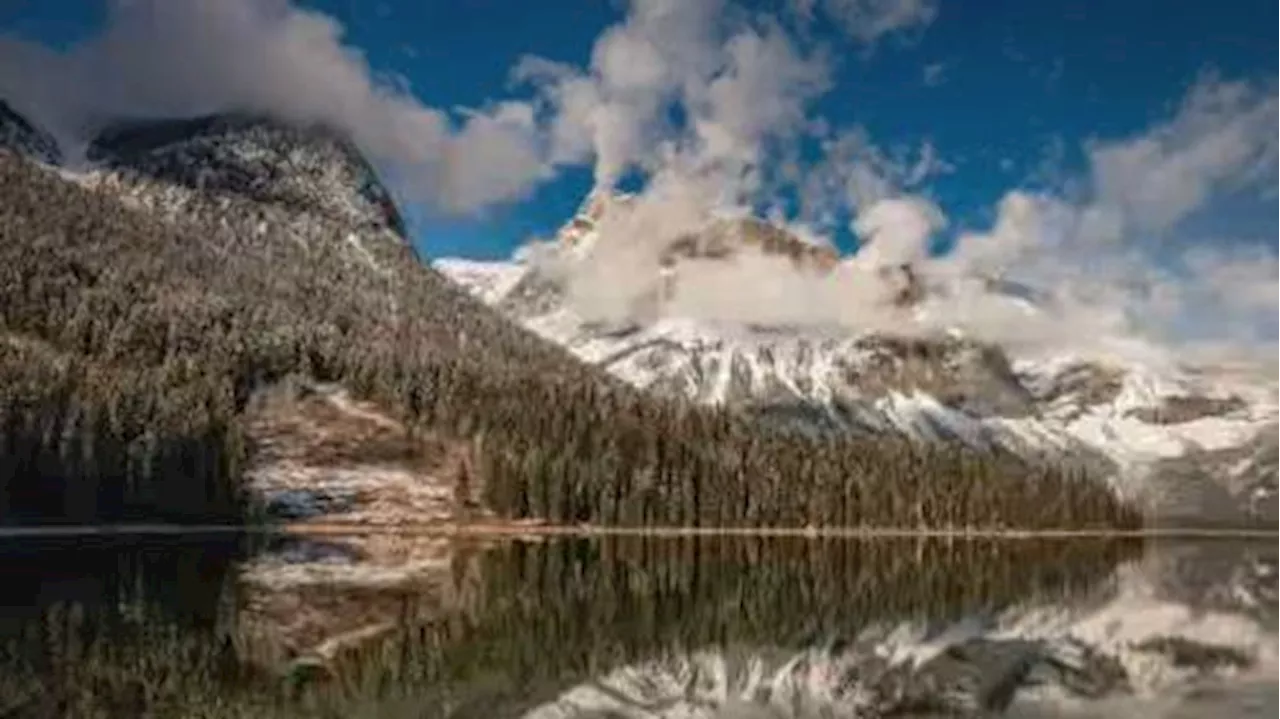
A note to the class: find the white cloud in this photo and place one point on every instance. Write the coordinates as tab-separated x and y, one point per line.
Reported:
1112	270
615	111
896	231
160	58
1120	264
700	99
854	173
1223	135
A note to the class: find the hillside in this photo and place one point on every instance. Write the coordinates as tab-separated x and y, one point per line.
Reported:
158	309
1191	444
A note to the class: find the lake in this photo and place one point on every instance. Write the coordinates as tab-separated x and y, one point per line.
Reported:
398	625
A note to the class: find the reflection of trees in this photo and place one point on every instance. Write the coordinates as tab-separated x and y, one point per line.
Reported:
552	615
555	615
99	627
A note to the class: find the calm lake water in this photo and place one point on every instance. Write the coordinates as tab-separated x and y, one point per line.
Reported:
400	626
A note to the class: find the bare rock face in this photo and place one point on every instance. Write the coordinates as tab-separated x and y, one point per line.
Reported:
1179	409
1224	485
725	238
966	375
20	135
1077	386
721	238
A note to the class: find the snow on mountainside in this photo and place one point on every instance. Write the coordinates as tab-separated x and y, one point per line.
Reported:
1193	442
290	168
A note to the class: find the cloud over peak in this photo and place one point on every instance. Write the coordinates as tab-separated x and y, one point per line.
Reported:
181	58
713	107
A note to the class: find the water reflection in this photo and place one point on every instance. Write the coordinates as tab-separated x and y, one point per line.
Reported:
634	627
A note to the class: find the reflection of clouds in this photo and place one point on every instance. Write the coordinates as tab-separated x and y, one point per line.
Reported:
1143	648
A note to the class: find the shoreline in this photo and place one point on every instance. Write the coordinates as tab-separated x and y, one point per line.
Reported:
519	530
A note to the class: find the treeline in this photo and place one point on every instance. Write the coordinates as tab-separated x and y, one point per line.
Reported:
147	331
547	616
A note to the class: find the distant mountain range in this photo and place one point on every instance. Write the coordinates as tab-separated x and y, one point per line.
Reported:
1194	443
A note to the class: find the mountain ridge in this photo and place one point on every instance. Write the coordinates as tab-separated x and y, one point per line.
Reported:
304	166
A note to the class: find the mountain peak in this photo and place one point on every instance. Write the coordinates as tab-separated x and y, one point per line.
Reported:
720	237
302	167
726	237
580	231
19	134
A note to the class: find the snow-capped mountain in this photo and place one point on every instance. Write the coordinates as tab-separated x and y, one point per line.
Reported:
1193	441
19	135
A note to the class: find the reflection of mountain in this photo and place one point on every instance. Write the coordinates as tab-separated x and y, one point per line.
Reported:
1140	645
608	604
499	632
388	625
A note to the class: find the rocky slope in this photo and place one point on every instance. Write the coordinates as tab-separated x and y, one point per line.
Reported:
1197	444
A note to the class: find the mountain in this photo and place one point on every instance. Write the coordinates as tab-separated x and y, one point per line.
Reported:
151	300
1192	443
299	169
21	136
224	315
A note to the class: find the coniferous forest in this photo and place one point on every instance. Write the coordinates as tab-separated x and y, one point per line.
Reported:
133	338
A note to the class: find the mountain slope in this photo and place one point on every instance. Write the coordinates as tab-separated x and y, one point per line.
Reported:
21	136
1175	437
147	302
298	169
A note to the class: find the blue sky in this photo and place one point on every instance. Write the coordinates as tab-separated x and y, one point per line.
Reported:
994	85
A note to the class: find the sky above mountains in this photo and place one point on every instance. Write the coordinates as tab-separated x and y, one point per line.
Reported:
1125	151
1002	93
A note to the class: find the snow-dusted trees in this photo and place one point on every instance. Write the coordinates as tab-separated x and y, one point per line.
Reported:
131	342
